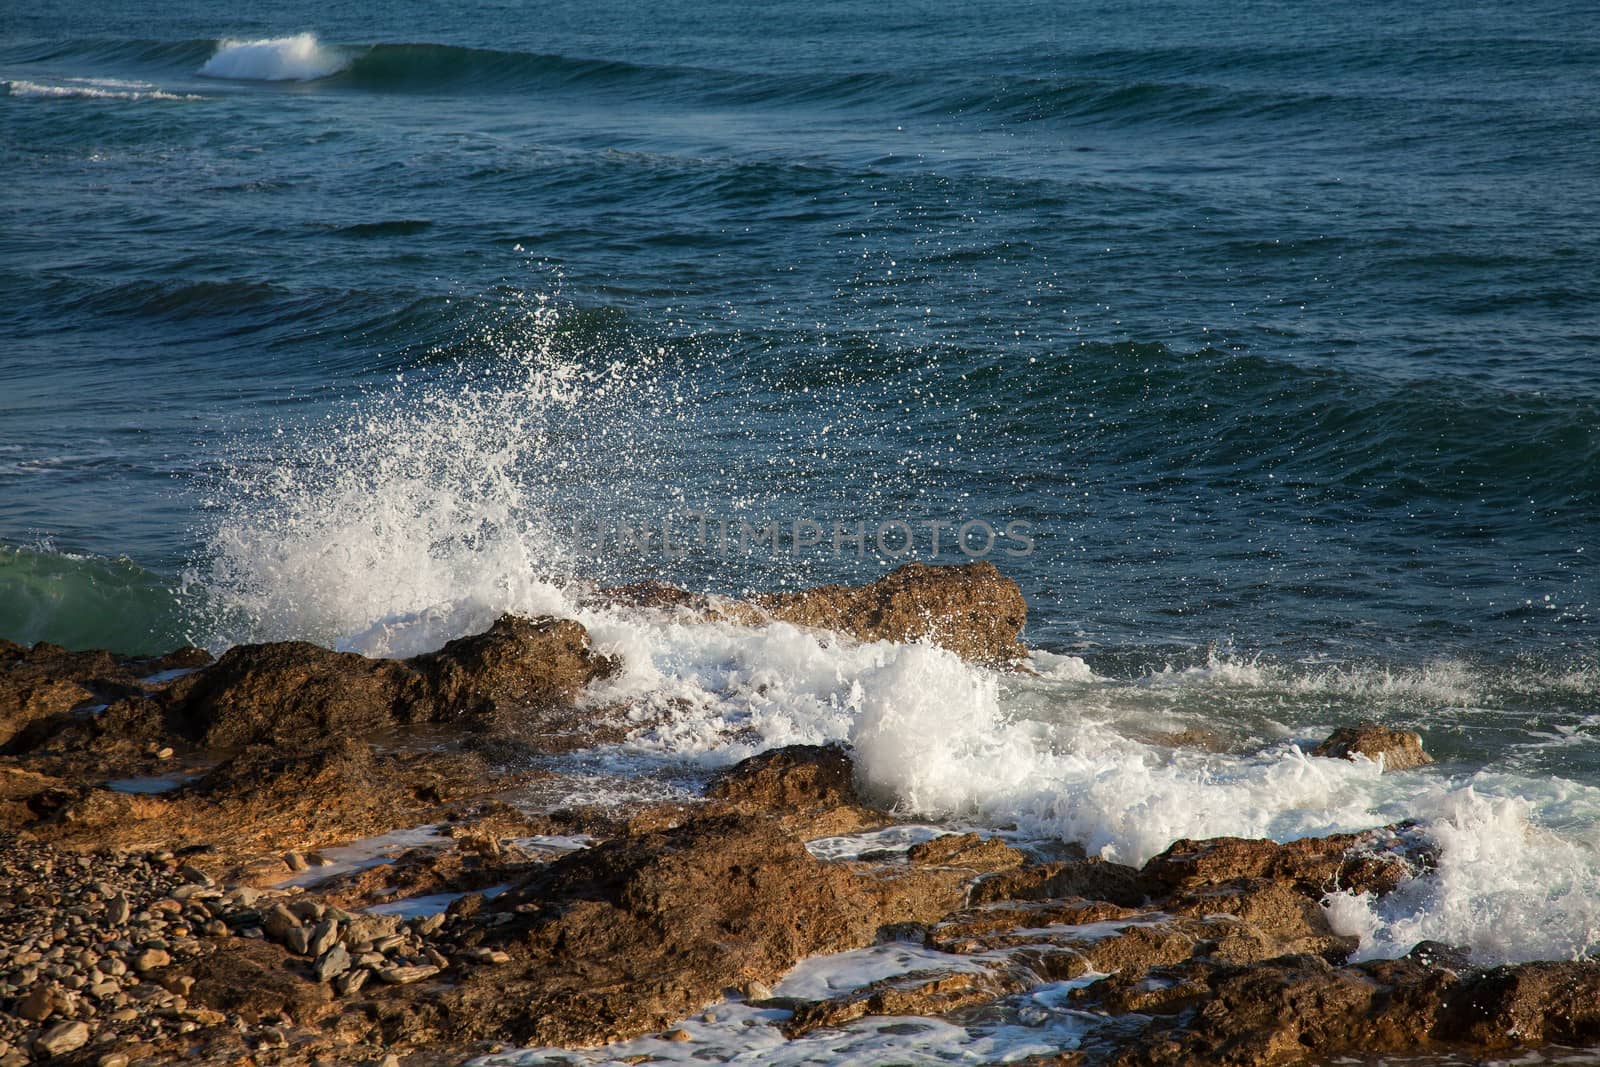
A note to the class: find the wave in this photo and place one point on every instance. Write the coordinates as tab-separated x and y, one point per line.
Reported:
85	601
298	58
1128	92
92	89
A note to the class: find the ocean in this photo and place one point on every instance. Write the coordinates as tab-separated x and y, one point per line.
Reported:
1259	343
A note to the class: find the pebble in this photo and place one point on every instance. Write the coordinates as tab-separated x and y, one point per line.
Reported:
62	1038
151	959
405	975
295	861
323	937
332	962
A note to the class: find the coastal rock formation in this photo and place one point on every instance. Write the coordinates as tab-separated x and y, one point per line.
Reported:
46	681
973	610
1400	750
143	927
295	692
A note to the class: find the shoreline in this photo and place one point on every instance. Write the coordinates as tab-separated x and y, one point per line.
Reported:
207	904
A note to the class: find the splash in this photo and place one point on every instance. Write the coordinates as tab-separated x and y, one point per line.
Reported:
421	511
298	58
1505	887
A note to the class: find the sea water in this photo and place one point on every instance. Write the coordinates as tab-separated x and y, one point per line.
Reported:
1275	329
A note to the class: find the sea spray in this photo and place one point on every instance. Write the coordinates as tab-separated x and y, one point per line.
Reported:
429	505
298	58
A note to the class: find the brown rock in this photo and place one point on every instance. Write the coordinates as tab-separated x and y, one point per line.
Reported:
40	683
917	993
628	936
1093	878
61	1039
971	851
248	978
1399	750
151	959
41	1002
783	779
1371	861
405	975
973	610
294	692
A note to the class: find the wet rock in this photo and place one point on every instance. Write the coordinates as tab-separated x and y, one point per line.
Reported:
1093	878
1399	750
917	993
1531	1003
972	610
46	681
796	776
294	692
971	851
628	936
1372	861
515	665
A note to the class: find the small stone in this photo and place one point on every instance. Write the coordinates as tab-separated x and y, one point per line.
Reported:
113	1059
245	896
298	941
180	984
405	975
391	1060
41	1002
117	909
62	1038
326	933
296	861
190	873
679	1034
754	990
317	859
332	962
430	924
272	1037
163	753
351	982
308	910
278	921
150	959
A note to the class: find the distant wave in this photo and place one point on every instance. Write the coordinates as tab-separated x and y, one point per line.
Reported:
93	89
298	58
1101	91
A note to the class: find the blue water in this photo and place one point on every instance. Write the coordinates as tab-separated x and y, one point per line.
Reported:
1277	325
1274	327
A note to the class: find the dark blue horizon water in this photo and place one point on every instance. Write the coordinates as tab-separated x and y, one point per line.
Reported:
1278	325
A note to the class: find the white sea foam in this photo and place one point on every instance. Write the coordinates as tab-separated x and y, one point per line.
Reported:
298	58
93	89
1504	887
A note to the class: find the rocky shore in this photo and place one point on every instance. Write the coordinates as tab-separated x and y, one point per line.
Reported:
173	881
